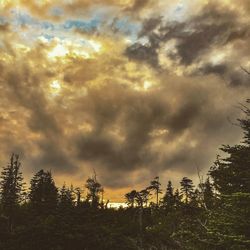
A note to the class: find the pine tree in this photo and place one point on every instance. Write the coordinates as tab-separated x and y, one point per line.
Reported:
11	188
43	192
187	189
130	198
155	186
143	196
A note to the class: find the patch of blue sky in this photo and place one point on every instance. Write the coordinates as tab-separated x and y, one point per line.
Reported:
48	37
126	26
47	25
81	25
24	19
62	30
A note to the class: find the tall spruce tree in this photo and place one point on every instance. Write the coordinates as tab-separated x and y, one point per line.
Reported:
11	188
168	199
43	192
231	174
230	219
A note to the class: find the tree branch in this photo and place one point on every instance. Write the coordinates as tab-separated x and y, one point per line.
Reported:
246	71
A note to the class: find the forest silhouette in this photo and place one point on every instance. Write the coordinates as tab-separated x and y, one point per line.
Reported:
215	214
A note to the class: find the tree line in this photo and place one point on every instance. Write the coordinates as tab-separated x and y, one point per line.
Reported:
215	214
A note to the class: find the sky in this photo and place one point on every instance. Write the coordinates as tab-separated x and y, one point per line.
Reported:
132	89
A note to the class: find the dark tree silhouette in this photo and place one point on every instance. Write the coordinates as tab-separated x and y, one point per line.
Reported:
94	188
43	192
187	189
142	197
231	177
231	174
155	186
207	195
11	188
168	199
177	198
130	198
66	197
78	193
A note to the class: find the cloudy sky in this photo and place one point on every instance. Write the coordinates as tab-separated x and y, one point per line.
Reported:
130	88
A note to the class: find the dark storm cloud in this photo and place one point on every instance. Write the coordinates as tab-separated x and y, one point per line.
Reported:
149	25
25	95
214	28
133	114
24	88
146	53
53	156
217	69
138	116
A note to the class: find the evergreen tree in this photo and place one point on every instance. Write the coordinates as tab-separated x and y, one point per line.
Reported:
229	220
231	174
66	198
177	198
155	186
228	225
207	194
195	198
187	189
143	196
168	199
43	192
11	188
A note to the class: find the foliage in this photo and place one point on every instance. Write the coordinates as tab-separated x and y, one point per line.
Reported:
43	192
11	188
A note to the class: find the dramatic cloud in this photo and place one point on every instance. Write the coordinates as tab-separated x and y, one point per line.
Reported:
204	42
132	89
